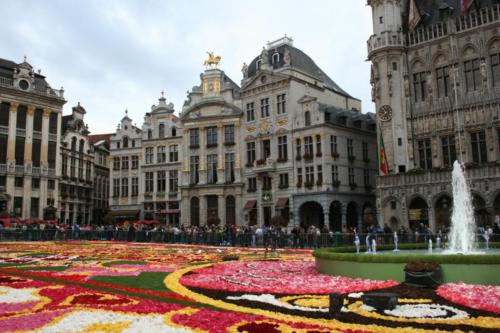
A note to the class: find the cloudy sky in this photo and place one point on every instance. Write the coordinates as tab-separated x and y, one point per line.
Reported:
112	55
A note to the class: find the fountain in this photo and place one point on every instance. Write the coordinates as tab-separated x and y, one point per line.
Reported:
461	237
356	243
396	242
368	243
430	246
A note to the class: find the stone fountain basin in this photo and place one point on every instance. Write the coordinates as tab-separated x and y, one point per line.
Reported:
386	264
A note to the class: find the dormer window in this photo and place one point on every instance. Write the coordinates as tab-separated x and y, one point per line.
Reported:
257	64
161	131
73	144
307	118
276	58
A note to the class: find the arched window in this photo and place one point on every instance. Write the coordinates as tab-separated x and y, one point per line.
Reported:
82	146
125	142
174	131
307	117
257	64
73	143
195	211
276	58
150	134
161	131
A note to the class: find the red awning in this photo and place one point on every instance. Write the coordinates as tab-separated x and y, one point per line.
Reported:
281	203
250	204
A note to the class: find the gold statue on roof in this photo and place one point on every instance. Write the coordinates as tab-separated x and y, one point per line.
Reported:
212	60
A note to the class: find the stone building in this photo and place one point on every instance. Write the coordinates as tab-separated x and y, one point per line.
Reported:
161	163
211	183
293	114
30	118
125	160
77	164
436	86
100	193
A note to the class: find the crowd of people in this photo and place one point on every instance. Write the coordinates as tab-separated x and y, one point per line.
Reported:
232	235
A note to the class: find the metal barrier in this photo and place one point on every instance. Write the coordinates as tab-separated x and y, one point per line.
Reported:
219	238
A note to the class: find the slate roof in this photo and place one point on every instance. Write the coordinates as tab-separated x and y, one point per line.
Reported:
7	71
367	120
299	60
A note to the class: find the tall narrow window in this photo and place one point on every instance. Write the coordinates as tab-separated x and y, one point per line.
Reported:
478	145
250	112
116	163
282	148
250	153
425	154
21	117
135	186
125	163
351	176
299	177
280	103
173	153
125	142
419	87
124	187
194	169
212	168
449	152
116	187
161	181
150	154
135	162
173	181
149	182
266	149
335	174
194	137
161	154
310	175
350	148
318	145
365	151
211	136
495	69
37	120
366	177
161	130
229	168
443	81
229	134
264	108
319	169
308	146
298	148
472	76
307	118
333	144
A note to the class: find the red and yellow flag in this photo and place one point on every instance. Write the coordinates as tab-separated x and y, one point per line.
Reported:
384	169
465	5
414	16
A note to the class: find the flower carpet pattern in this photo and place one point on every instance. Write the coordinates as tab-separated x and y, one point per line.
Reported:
141	287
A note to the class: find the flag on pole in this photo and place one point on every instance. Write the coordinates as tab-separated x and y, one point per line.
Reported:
465	5
383	157
414	16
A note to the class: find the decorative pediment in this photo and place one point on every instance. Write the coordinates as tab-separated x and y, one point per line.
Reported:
306	99
263	78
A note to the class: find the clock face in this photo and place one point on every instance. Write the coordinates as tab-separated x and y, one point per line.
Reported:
385	112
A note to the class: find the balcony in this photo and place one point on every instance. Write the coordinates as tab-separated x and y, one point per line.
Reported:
264	165
385	39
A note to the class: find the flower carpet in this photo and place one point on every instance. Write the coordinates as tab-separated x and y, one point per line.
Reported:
141	287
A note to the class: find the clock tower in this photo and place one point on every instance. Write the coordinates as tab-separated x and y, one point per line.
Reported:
389	80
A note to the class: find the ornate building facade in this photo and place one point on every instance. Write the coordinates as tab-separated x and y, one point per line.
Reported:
161	163
77	165
30	118
436	85
125	174
211	183
301	134
101	144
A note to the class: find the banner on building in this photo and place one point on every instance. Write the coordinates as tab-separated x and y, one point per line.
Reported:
414	16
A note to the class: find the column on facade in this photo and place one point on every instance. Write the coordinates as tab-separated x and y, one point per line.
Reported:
185	206
43	162
326	215
237	155
11	150
430	212
203	157
220	155
28	144
203	209
58	160
344	216
239	213
221	207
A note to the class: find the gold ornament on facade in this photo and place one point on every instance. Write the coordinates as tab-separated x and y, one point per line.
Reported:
251	128
212	61
264	125
46	113
282	121
14	106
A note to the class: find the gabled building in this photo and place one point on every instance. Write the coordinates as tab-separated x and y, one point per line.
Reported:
100	193
161	163
211	183
125	156
30	119
77	164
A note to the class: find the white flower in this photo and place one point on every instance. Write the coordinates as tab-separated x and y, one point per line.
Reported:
426	311
13	295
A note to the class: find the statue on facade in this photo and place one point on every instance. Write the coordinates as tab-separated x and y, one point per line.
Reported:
406	86
244	70
212	60
287	58
428	79
264	54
